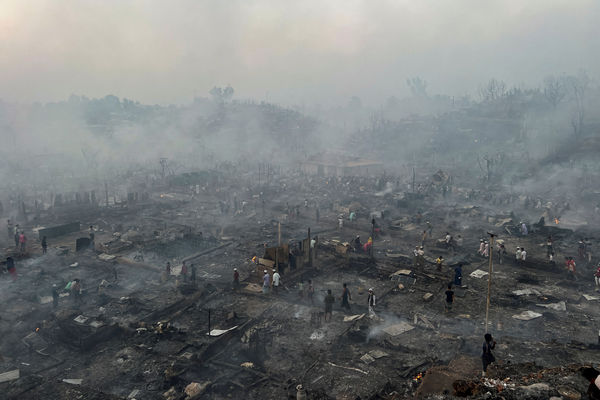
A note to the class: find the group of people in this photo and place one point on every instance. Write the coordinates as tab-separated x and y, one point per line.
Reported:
18	235
269	283
345	298
183	273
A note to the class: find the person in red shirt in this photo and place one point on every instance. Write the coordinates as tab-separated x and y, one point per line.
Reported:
236	279
184	271
571	268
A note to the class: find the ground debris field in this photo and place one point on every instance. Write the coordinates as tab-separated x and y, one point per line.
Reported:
132	329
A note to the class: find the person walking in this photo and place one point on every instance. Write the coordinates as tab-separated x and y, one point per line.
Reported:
487	357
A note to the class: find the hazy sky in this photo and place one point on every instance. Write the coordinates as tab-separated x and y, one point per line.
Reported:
301	51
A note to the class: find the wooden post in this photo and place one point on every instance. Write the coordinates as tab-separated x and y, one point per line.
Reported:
487	306
279	233
372	250
106	192
309	250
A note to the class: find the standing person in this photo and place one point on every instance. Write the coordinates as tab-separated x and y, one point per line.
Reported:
346	297
580	248
458	275
416	254
524	231
17	236
439	262
449	298
487	357
597	278
423	238
266	282
340	222
184	271
571	268
481	247
44	245
22	242
168	269
311	292
588	249
518	255
549	249
448	240
92	237
523	254
486	249
276	279
10	267
317	215
76	290
193	274
421	256
9	228
459	241
429	228
501	253
236	279
372	301
329	300
54	296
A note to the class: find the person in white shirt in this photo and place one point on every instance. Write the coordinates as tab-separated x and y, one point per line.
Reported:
371	301
276	279
518	254
523	254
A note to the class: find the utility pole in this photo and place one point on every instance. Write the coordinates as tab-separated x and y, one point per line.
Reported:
487	306
309	250
209	322
372	249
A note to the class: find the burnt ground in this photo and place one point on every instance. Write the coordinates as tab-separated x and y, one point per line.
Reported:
141	334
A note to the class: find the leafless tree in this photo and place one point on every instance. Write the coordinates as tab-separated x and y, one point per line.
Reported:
221	95
493	90
578	86
555	89
418	86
